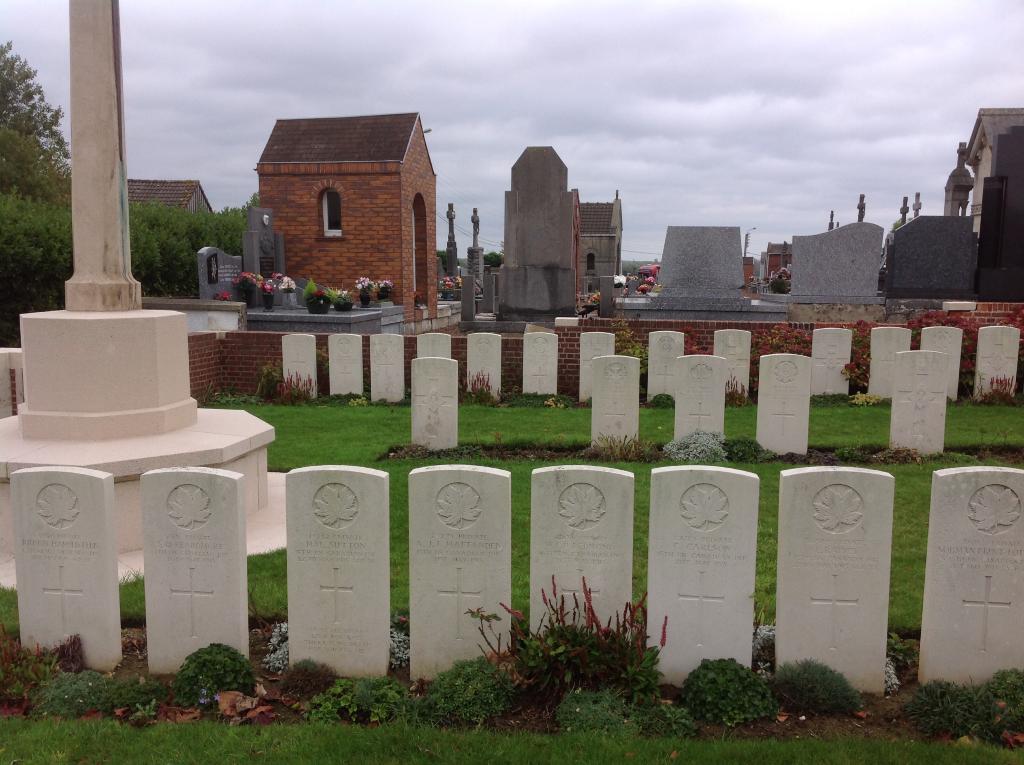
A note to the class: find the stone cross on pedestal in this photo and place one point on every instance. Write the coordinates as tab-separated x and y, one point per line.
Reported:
102	279
451	257
903	211
831	219
861	207
917	203
476	252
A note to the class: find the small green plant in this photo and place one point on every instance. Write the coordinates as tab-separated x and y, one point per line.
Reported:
131	694
825	400
810	686
144	714
697	448
22	670
853	454
276	660
358	401
1000	392
210	670
663	720
555	402
746	450
941	708
903	653
270	379
735	393
624	449
479	391
469	693
307	678
661	401
366	699
294	389
70	695
724	691
865	399
1006	689
592	712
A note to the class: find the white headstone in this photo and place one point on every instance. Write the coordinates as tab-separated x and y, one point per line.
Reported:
460	558
948	340
830	353
345	353
581	527
298	353
734	346
540	362
700	566
483	361
339	593
387	367
592	345
835	540
434	344
193	538
886	342
783	402
65	557
615	410
435	402
974	575
998	351
663	348
918	416
700	394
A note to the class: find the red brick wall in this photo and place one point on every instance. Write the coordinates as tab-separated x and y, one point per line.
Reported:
418	178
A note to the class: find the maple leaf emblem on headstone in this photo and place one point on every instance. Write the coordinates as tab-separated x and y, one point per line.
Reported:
994	509
57	505
189	506
837	509
458	505
703	507
582	506
335	505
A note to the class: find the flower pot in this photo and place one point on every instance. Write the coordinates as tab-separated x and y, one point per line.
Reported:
383	294
343	306
268	301
364	299
318	307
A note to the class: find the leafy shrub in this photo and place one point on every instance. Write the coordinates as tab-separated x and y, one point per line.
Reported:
479	391
810	686
210	670
823	400
624	449
941	708
661	401
1006	688
592	712
663	720
697	448
779	286
745	450
307	678
903	653
70	695
399	641
367	699
132	694
270	379
735	393
22	670
277	659
556	402
467	694
69	653
294	389
1000	392
865	399
853	454
724	691
512	398
358	401
857	371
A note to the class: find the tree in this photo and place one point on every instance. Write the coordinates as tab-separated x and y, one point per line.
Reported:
493	259
35	162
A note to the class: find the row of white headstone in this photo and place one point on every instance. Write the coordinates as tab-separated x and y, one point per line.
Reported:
830	353
832	597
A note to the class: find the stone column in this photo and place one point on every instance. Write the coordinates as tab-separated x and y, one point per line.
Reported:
469	296
488	290
102	279
607	306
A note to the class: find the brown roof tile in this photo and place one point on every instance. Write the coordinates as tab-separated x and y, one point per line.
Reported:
596	218
170	193
376	138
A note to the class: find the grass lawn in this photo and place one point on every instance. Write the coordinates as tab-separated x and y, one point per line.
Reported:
320	435
95	742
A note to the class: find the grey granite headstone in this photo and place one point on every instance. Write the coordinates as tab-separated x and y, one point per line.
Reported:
468	297
702	261
607	307
262	248
932	256
1001	232
838	266
216	271
487	288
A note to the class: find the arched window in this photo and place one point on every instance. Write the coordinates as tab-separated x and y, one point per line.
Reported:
590	261
331	204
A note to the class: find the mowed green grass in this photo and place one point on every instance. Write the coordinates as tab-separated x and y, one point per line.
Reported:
342	435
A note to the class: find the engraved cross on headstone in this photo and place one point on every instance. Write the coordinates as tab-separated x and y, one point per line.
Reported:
701	598
336	589
63	592
783	414
458	593
985	605
700	414
192	592
833	603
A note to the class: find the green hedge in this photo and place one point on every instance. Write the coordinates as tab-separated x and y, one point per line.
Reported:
35	253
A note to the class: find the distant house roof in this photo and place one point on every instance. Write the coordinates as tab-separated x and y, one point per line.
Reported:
375	138
170	193
774	248
596	218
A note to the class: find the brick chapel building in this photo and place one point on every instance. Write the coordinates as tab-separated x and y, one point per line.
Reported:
355	196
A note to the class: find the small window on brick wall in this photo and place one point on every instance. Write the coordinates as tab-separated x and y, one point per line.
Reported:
331	203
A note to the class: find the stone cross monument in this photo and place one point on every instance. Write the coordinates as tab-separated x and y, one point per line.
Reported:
917	203
476	252
903	211
451	257
861	207
831	219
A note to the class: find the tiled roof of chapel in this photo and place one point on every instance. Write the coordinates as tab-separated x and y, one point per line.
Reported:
373	138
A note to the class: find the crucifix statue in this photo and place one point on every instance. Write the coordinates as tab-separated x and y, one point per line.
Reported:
861	207
917	203
476	228
831	219
903	211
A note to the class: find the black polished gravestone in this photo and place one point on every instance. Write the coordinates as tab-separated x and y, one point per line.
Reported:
217	271
1001	239
932	256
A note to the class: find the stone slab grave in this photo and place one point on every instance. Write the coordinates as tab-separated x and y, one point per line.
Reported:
483	362
699	395
435	402
581	527
973	615
298	354
701	264
592	345
540	362
339	593
436	344
837	266
734	346
932	256
835	542
460	558
262	246
216	271
948	340
783	402
700	566
663	348
918	416
615	410
345	354
998	350
387	367
193	528
886	342
830	353
66	561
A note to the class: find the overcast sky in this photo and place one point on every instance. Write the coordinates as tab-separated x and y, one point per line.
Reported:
761	115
